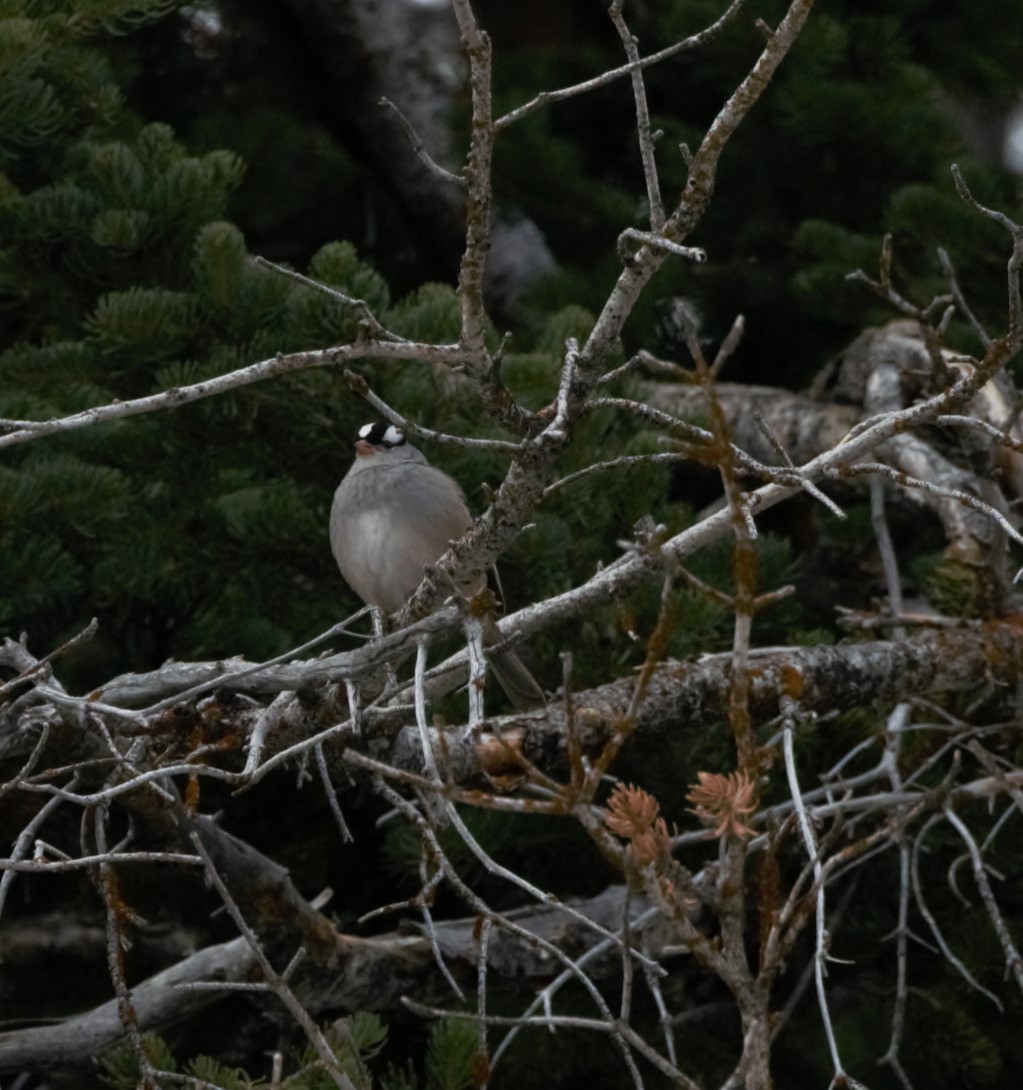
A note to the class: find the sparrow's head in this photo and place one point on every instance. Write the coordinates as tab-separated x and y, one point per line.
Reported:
377	438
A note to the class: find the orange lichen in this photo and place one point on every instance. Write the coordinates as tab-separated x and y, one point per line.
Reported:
793	681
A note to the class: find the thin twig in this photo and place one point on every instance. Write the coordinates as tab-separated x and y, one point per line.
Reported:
658	242
390	414
1015	331
810	845
932	922
960	300
420	148
1013	961
908	481
335	805
372	323
643	128
117	913
694	41
276	981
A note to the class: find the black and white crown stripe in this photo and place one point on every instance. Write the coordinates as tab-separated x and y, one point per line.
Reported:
382	434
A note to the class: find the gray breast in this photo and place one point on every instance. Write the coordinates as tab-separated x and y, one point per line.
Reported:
388	521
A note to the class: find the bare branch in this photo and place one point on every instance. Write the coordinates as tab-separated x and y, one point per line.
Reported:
23	431
643	129
694	41
420	148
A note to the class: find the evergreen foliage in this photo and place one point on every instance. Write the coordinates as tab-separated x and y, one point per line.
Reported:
124	270
854	140
202	532
447	1062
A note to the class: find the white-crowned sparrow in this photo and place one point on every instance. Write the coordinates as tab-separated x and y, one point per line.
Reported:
393	514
